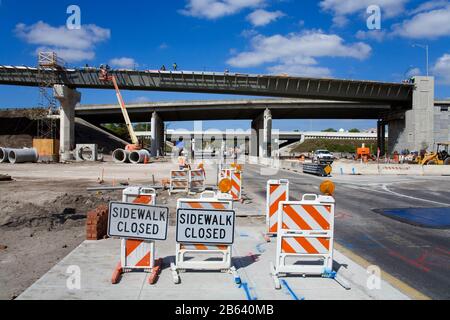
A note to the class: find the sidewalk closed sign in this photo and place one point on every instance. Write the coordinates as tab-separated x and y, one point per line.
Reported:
137	221
205	226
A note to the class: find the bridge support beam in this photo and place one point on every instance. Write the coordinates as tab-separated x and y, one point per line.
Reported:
68	99
381	137
416	131
261	137
157	136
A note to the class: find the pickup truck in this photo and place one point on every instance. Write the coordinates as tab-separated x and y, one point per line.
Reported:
323	157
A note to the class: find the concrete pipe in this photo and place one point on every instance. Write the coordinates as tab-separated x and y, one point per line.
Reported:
23	155
139	156
121	156
4	154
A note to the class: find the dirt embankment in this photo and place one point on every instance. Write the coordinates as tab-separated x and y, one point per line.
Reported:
41	221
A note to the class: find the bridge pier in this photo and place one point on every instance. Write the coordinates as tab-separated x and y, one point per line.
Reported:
381	137
261	135
415	130
68	99
157	136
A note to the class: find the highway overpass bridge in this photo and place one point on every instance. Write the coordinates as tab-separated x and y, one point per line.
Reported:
407	108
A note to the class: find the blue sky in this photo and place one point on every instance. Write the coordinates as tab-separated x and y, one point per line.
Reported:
328	38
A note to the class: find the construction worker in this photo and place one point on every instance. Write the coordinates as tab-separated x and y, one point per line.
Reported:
175	66
181	160
163	68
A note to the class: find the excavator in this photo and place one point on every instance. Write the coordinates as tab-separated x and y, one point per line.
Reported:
105	76
440	157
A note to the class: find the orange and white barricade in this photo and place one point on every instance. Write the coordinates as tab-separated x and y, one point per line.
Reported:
236	185
197	181
277	191
138	254
305	238
235	177
179	181
208	201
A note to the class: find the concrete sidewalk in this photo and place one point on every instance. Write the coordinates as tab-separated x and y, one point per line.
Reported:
251	256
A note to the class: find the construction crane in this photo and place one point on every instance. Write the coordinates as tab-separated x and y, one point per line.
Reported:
105	76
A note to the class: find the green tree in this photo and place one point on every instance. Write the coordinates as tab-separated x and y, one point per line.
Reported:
354	130
329	130
119	129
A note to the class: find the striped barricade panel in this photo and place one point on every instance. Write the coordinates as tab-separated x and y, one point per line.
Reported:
179	180
277	191
197	180
236	185
138	254
305	245
305	233
185	248
225	173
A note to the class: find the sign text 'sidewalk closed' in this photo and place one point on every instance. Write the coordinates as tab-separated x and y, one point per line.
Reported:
205	226
137	221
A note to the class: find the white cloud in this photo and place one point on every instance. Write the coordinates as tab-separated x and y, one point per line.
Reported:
430	5
306	45
213	9
377	35
163	46
413	72
299	69
296	53
124	63
429	24
141	99
262	17
343	8
390	8
442	69
70	45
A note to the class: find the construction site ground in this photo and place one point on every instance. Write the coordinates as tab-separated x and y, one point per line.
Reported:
42	225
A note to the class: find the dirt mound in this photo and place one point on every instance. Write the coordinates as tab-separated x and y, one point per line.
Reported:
68	208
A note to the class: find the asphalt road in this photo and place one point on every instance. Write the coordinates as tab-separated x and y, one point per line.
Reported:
418	256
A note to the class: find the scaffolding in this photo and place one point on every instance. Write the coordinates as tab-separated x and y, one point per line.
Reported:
47	78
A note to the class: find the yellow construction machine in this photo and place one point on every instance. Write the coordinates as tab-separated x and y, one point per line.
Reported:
440	157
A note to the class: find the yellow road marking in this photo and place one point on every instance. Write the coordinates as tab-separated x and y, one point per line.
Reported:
397	283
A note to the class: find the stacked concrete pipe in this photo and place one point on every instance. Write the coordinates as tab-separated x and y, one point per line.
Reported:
23	155
121	155
4	154
139	156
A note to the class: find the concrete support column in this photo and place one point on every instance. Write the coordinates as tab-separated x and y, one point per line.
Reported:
254	143
261	136
415	131
157	135
381	137
68	99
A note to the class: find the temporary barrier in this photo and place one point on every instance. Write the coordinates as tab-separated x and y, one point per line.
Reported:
217	209
305	237
224	173
179	181
277	191
236	185
138	254
318	169
197	181
235	176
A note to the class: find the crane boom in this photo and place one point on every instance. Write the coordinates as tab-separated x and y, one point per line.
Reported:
130	128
